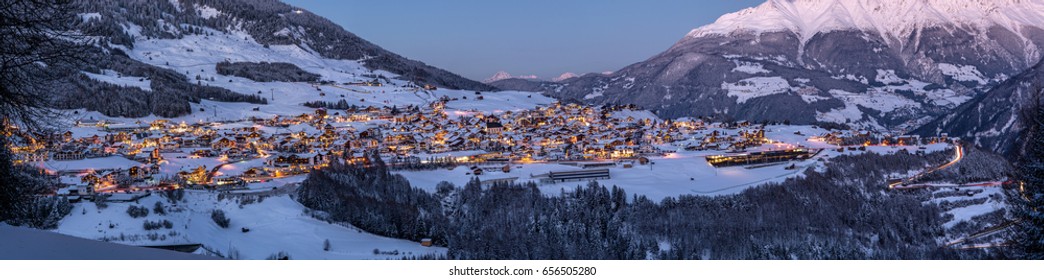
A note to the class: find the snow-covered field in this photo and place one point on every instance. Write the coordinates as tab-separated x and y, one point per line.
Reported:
669	176
276	224
678	173
34	244
747	89
113	162
112	77
966	213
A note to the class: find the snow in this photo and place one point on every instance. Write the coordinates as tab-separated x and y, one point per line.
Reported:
564	76
176	4
896	19
207	12
33	244
81	132
501	75
278	223
89	16
968	212
668	177
812	98
848	114
880	101
199	54
285	32
749	67
596	92
946	98
112	77
637	115
756	87
851	77
677	173
174	162
131	29
964	73
113	162
888	77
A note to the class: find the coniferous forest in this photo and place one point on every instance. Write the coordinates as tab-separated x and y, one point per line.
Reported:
841	212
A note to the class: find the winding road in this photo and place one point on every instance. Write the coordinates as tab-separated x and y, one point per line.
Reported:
958	156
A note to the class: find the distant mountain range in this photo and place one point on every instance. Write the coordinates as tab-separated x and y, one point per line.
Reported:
502	75
890	65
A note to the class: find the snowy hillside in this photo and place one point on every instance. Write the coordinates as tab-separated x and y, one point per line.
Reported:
890	18
163	58
272	23
501	75
996	119
276	223
33	244
807	61
196	56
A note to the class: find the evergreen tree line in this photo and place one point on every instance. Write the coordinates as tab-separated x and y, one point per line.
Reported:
170	94
977	165
842	212
339	105
371	198
1028	198
24	199
266	71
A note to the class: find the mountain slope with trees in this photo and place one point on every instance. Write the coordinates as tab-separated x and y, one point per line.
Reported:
886	65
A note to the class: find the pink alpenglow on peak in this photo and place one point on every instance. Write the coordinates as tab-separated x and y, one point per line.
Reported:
502	75
894	19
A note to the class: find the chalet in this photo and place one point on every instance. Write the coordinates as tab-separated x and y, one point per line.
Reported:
364	143
68	155
494	127
203	153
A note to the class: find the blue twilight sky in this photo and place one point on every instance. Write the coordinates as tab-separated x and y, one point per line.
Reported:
476	38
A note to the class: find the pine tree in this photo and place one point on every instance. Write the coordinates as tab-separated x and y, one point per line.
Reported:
1029	202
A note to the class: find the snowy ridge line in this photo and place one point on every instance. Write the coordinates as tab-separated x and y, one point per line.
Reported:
889	18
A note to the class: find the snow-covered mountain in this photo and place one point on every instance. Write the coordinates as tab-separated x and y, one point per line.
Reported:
892	20
996	119
564	76
163	57
502	75
884	64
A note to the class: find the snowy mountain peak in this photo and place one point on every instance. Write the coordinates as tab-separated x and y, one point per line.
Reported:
889	18
564	76
502	75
